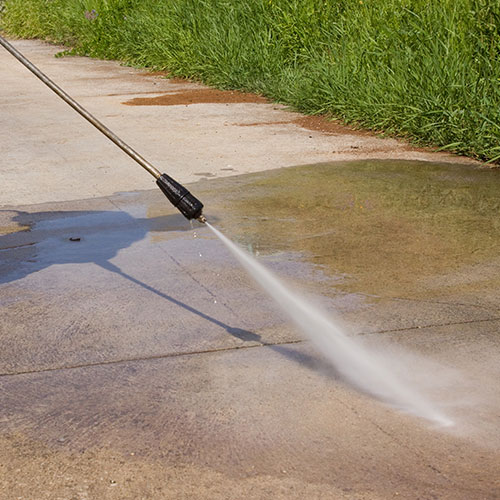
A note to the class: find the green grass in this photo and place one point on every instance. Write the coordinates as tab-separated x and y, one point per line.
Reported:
425	70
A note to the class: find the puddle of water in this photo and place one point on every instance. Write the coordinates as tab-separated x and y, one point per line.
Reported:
391	227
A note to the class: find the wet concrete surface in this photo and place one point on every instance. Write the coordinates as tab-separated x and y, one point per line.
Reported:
139	361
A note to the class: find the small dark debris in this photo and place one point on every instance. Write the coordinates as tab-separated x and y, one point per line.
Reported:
75	238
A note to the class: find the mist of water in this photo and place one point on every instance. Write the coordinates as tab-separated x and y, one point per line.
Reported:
357	364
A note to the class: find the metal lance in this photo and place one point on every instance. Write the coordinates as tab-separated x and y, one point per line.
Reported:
177	194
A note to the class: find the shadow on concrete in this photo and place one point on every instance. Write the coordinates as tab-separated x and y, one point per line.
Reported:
72	237
244	335
311	362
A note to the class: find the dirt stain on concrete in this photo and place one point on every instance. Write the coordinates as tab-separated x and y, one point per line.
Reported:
324	124
8	224
104	474
197	96
13	229
205	174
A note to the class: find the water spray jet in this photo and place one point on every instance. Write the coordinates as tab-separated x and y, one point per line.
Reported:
177	194
358	365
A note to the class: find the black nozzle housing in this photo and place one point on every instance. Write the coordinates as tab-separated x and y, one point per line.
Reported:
180	197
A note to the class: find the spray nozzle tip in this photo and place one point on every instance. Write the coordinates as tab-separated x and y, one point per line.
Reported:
202	219
180	197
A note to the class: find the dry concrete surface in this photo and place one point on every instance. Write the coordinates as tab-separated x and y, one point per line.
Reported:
139	361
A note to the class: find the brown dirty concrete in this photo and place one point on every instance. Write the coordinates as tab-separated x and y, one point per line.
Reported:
215	96
141	362
49	153
104	475
196	96
315	123
250	416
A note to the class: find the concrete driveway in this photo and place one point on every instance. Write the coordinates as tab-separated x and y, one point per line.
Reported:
139	361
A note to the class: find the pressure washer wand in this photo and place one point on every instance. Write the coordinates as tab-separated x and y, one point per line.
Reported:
177	194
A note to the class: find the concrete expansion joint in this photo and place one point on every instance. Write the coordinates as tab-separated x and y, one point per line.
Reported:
147	358
433	325
226	349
